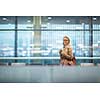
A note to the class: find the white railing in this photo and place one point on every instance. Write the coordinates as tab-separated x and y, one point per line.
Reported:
2	58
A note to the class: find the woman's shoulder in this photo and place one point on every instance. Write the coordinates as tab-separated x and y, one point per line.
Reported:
69	46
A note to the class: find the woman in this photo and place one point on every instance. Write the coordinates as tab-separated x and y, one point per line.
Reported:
66	54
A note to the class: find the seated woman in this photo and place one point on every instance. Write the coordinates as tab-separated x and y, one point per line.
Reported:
66	54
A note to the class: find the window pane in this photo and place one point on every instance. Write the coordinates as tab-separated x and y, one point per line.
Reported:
25	22
65	22
96	43
7	22
7	43
25	43
96	22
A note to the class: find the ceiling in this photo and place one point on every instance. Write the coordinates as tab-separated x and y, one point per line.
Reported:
50	19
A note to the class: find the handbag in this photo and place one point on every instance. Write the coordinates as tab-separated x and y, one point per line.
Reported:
74	60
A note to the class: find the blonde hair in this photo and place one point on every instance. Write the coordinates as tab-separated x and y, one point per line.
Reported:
67	38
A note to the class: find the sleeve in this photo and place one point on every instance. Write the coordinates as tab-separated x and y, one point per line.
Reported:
70	52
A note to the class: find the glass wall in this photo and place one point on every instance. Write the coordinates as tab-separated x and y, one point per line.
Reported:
25	22
96	39
25	41
7	22
7	43
41	37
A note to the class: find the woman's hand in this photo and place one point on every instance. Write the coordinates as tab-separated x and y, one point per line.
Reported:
64	53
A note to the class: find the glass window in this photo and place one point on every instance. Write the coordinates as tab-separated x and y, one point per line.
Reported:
65	22
25	22
96	22
52	41
96	43
7	43
7	22
43	36
25	43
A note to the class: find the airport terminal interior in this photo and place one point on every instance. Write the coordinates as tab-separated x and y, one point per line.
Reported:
36	40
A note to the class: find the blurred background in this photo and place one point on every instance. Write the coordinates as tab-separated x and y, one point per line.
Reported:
36	40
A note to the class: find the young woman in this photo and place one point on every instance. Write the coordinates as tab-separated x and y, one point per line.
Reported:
66	54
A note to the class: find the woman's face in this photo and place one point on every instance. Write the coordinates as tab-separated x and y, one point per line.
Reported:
66	41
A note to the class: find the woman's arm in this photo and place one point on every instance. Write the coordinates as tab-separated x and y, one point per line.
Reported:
70	52
67	53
